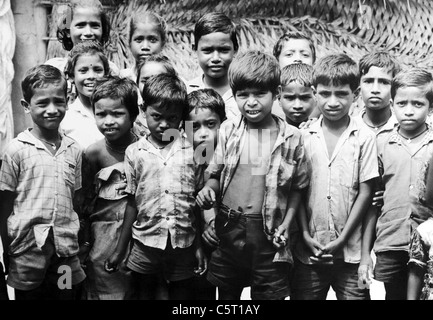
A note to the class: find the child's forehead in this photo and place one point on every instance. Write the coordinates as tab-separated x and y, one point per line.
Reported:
411	92
86	13
203	113
296	86
215	38
293	43
107	102
378	72
332	86
165	109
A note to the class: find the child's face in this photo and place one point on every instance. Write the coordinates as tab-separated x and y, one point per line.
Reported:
87	69
161	119
47	107
255	104
112	118
149	69
376	88
215	52
86	25
205	127
334	101
297	101
295	51
145	41
411	109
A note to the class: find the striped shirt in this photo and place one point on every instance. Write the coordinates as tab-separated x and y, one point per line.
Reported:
164	189
44	186
287	170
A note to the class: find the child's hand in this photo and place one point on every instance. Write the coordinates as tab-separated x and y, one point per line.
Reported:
280	237
201	262
209	236
378	199
83	253
112	263
365	276
206	198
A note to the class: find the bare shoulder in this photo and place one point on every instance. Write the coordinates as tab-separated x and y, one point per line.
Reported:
95	151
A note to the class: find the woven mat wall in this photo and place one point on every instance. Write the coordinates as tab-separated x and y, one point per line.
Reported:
401	26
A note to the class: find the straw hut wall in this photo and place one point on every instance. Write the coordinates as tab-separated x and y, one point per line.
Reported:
354	27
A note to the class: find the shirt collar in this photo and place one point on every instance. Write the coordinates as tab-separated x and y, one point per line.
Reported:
396	138
29	138
316	126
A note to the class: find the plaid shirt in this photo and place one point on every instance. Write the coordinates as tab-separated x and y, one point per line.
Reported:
404	175
287	170
44	186
164	190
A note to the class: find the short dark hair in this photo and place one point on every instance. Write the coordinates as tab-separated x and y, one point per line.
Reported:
414	77
336	69
165	90
39	76
115	87
297	72
215	22
85	48
293	35
64	25
207	98
379	59
254	69
158	58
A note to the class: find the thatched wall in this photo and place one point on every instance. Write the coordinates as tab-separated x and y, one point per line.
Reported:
401	26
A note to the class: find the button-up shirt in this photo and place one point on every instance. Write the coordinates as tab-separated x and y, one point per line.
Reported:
44	186
232	109
164	189
334	185
287	170
404	177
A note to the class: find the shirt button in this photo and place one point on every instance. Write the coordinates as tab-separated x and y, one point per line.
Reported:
166	191
167	218
328	197
411	187
165	163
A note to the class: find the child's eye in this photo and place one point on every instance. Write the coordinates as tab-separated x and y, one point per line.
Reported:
384	82
95	25
153	40
195	126
156	117
367	81
211	124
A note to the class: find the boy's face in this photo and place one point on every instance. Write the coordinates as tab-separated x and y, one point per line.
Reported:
88	68
334	101
297	101
47	107
112	118
86	25
255	104
376	88
151	68
161	119
145	41
411	109
295	51
205	124
215	52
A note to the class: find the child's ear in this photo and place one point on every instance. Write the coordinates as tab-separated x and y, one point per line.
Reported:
280	89
25	105
356	93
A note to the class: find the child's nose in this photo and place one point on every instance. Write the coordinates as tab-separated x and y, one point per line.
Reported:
87	32
375	87
216	56
297	104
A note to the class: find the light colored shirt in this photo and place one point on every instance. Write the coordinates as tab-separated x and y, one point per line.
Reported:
404	176
287	170
79	123
232	109
164	189
44	186
334	185
388	126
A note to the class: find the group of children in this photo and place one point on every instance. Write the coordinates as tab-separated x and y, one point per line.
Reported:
280	173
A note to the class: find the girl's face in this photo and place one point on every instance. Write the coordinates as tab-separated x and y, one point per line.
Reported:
86	25
87	69
145	41
151	68
112	119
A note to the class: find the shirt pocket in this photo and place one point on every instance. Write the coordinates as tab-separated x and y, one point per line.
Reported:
349	172
69	167
285	173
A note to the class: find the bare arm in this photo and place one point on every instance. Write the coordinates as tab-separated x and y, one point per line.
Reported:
293	202
206	198
358	212
415	281
6	207
113	261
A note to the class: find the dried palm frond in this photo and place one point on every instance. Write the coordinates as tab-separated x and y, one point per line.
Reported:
401	27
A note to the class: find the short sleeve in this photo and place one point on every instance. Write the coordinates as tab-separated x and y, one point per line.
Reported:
417	251
131	179
369	166
9	173
302	177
